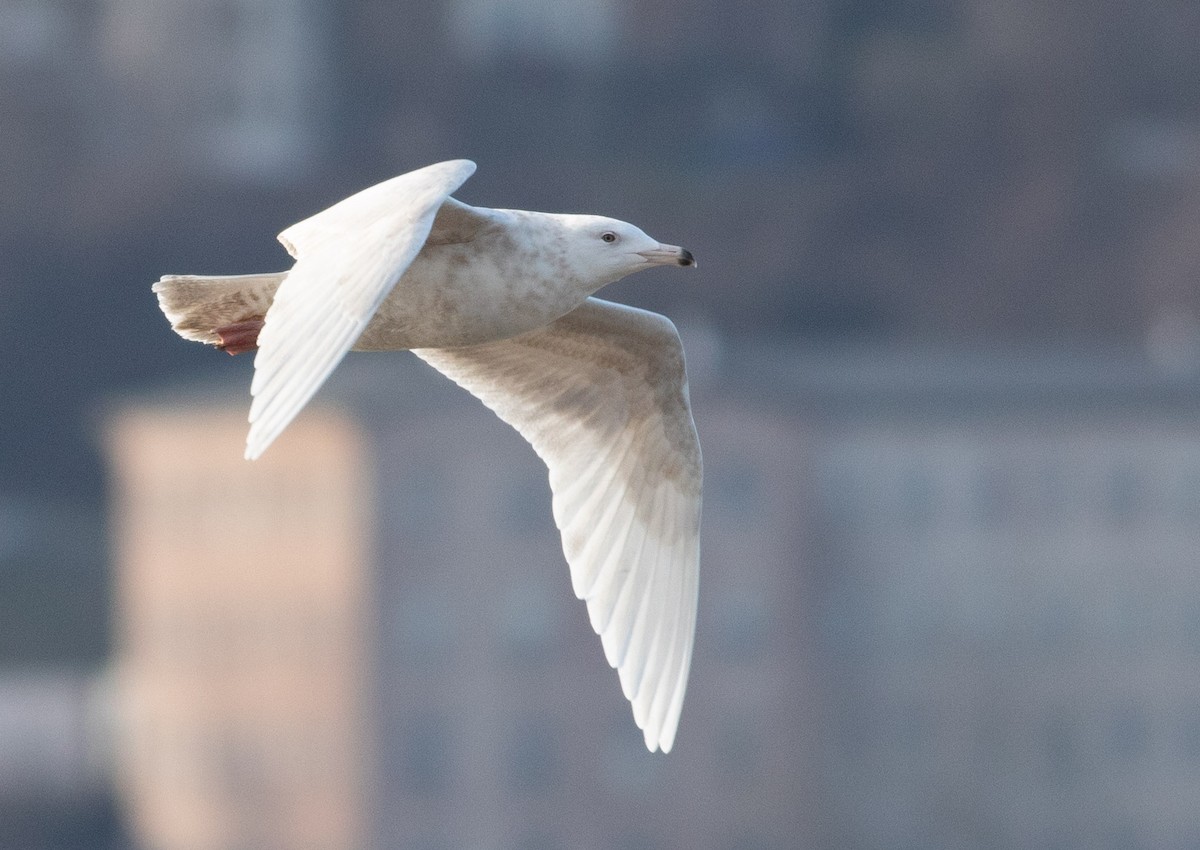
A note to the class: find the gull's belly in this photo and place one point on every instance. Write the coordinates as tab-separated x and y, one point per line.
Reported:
453	296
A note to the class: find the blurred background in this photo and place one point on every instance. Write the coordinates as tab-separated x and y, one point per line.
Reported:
944	343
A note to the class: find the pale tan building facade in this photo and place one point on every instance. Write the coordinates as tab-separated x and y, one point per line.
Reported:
242	636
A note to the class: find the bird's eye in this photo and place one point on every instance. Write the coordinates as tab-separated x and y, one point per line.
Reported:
608	236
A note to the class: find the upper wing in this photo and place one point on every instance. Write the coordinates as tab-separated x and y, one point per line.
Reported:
348	258
601	394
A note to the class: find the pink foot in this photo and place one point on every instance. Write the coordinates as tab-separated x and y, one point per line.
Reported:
239	337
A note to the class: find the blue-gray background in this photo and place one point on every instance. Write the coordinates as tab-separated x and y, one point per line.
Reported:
995	182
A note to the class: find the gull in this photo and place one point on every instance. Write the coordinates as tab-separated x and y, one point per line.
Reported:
500	301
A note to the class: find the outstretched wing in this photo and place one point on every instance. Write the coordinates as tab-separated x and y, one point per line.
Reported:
601	394
348	258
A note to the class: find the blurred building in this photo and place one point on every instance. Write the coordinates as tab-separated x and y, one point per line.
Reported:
52	743
368	639
242	633
235	88
947	601
55	748
1003	578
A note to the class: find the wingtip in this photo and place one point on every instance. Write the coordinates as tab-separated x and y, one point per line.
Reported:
461	168
255	445
660	741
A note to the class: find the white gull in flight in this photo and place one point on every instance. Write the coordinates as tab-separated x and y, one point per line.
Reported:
500	302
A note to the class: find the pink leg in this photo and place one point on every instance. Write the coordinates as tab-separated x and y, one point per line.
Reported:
239	337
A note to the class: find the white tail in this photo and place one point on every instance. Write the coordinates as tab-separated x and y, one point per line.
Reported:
196	306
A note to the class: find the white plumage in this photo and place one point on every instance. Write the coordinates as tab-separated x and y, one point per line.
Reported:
499	301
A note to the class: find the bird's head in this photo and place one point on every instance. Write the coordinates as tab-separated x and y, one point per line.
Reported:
606	249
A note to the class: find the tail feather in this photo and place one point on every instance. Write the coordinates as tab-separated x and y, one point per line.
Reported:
196	306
